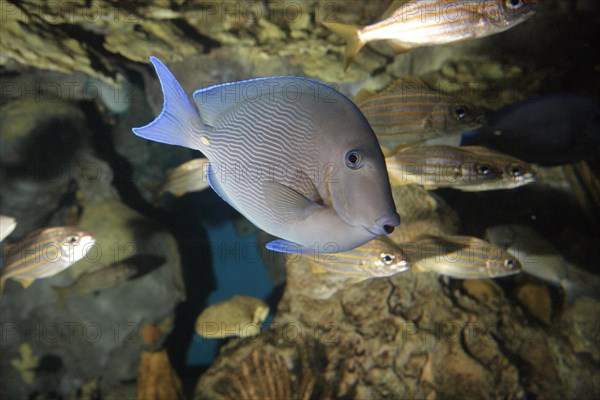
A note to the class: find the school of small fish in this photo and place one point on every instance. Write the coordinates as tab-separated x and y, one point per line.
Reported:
306	164
338	200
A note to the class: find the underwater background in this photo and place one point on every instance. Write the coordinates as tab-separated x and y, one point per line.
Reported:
75	78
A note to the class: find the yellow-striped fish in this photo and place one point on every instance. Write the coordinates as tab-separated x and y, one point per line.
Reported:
415	23
441	166
409	112
7	225
44	253
461	257
377	258
186	178
515	172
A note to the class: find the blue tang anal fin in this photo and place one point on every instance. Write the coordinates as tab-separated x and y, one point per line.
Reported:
283	246
288	203
179	122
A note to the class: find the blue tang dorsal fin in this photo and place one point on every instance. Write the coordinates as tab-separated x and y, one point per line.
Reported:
216	101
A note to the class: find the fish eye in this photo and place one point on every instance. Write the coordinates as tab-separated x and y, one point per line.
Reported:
354	158
514	4
509	264
516	171
460	112
484	169
72	239
387	258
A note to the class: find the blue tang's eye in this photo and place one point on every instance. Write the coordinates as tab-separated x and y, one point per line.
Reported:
354	158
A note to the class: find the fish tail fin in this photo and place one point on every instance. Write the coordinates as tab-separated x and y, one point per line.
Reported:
63	293
574	290
178	123
353	40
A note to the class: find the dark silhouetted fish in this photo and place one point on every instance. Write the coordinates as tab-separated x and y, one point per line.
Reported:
547	130
110	275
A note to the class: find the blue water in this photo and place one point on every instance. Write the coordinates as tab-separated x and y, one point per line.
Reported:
238	270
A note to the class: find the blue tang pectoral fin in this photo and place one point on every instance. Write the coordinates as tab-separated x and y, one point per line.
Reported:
178	123
292	207
287	203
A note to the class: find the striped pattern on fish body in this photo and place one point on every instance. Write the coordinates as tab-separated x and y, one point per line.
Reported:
441	166
418	23
514	172
45	253
186	178
294	156
377	258
7	225
461	257
409	112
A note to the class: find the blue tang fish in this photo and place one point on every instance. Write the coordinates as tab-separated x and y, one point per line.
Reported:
294	156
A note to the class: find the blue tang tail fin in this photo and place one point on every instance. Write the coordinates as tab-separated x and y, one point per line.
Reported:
178	123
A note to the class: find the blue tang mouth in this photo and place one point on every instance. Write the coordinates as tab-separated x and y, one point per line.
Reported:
385	225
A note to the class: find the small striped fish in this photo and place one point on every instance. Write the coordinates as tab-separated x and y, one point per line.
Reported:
44	253
7	225
514	172
416	23
409	112
186	178
377	258
441	166
461	257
